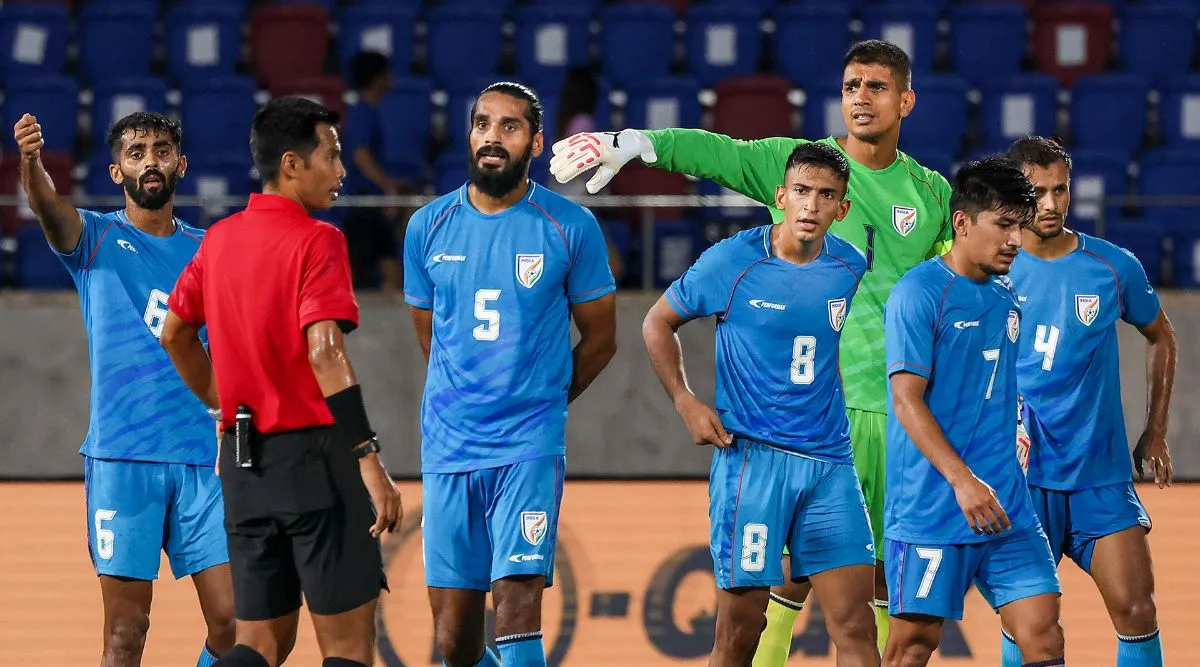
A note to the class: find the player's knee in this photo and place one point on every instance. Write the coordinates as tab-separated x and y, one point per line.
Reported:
915	651
127	634
854	623
222	633
740	627
1136	617
456	649
1042	642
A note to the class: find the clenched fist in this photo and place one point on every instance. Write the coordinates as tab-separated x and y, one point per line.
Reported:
28	135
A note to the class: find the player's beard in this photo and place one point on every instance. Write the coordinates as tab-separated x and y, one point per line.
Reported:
1044	234
498	182
151	201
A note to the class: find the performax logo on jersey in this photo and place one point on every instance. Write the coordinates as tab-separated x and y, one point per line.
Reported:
966	325
759	303
443	257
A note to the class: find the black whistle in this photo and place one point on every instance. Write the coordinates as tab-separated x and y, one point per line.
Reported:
241	438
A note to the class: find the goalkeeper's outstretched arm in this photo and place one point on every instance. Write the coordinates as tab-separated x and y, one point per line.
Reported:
752	168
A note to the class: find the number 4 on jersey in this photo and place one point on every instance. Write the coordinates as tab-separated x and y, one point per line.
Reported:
1046	342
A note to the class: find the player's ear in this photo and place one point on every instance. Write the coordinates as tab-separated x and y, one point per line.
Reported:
908	100
959	221
114	172
182	167
780	193
289	164
843	209
538	143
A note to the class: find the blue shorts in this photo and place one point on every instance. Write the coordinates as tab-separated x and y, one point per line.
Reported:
485	525
1074	520
933	579
763	499
136	510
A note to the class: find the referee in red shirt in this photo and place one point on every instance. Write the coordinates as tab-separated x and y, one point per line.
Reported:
306	496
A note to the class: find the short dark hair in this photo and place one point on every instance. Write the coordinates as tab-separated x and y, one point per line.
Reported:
144	121
879	52
816	154
1038	151
286	124
533	106
366	67
994	184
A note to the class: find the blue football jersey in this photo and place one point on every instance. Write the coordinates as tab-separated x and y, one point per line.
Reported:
500	287
140	408
1068	368
960	335
778	327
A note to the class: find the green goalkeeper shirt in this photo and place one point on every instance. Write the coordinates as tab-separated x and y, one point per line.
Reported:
899	216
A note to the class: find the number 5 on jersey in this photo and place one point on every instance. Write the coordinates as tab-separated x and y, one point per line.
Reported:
490	329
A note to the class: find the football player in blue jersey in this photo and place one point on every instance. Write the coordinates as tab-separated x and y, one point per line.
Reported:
494	273
1074	288
952	326
783	474
150	448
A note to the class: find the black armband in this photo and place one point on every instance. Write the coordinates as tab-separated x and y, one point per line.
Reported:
350	416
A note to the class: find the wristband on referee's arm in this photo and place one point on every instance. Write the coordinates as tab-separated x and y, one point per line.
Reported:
350	416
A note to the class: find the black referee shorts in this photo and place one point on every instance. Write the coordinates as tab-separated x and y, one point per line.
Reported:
299	522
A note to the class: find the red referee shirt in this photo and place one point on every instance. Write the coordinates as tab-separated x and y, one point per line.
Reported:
260	278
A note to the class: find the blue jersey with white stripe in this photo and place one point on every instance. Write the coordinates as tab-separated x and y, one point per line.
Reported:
501	288
1069	366
140	408
778	327
961	336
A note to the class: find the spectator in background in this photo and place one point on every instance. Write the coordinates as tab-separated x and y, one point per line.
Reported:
576	113
370	231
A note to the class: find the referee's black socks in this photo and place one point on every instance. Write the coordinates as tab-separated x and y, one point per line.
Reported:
342	662
242	656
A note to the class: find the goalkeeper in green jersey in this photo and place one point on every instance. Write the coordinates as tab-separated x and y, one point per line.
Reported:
900	217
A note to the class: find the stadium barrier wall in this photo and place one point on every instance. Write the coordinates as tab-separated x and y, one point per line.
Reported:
633	588
622	427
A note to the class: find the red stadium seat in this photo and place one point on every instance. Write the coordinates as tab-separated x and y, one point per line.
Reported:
753	107
59	165
1072	39
288	42
637	179
680	6
326	90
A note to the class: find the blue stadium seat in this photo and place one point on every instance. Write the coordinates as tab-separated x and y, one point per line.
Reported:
636	42
1144	238
589	5
37	266
810	41
1096	174
939	121
1169	173
450	28
216	116
1185	237
1108	112
550	40
407	109
911	26
988	41
723	41
758	5
239	5
386	30
451	171
330	5
98	183
214	175
1179	111
1015	107
503	5
203	42
33	40
118	98
115	41
663	103
823	111
677	243
458	110
1158	40
55	102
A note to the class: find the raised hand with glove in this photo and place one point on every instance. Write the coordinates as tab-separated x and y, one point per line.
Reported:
607	150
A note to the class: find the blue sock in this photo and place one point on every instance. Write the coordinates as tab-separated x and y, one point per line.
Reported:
207	657
489	659
523	650
1010	655
1144	651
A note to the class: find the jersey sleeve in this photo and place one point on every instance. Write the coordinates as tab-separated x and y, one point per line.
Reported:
945	237
1139	302
93	226
186	299
910	323
705	288
418	287
751	168
326	291
590	276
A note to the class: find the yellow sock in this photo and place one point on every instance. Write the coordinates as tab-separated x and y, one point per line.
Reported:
881	623
775	644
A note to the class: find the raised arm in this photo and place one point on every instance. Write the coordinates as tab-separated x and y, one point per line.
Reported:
59	218
977	500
